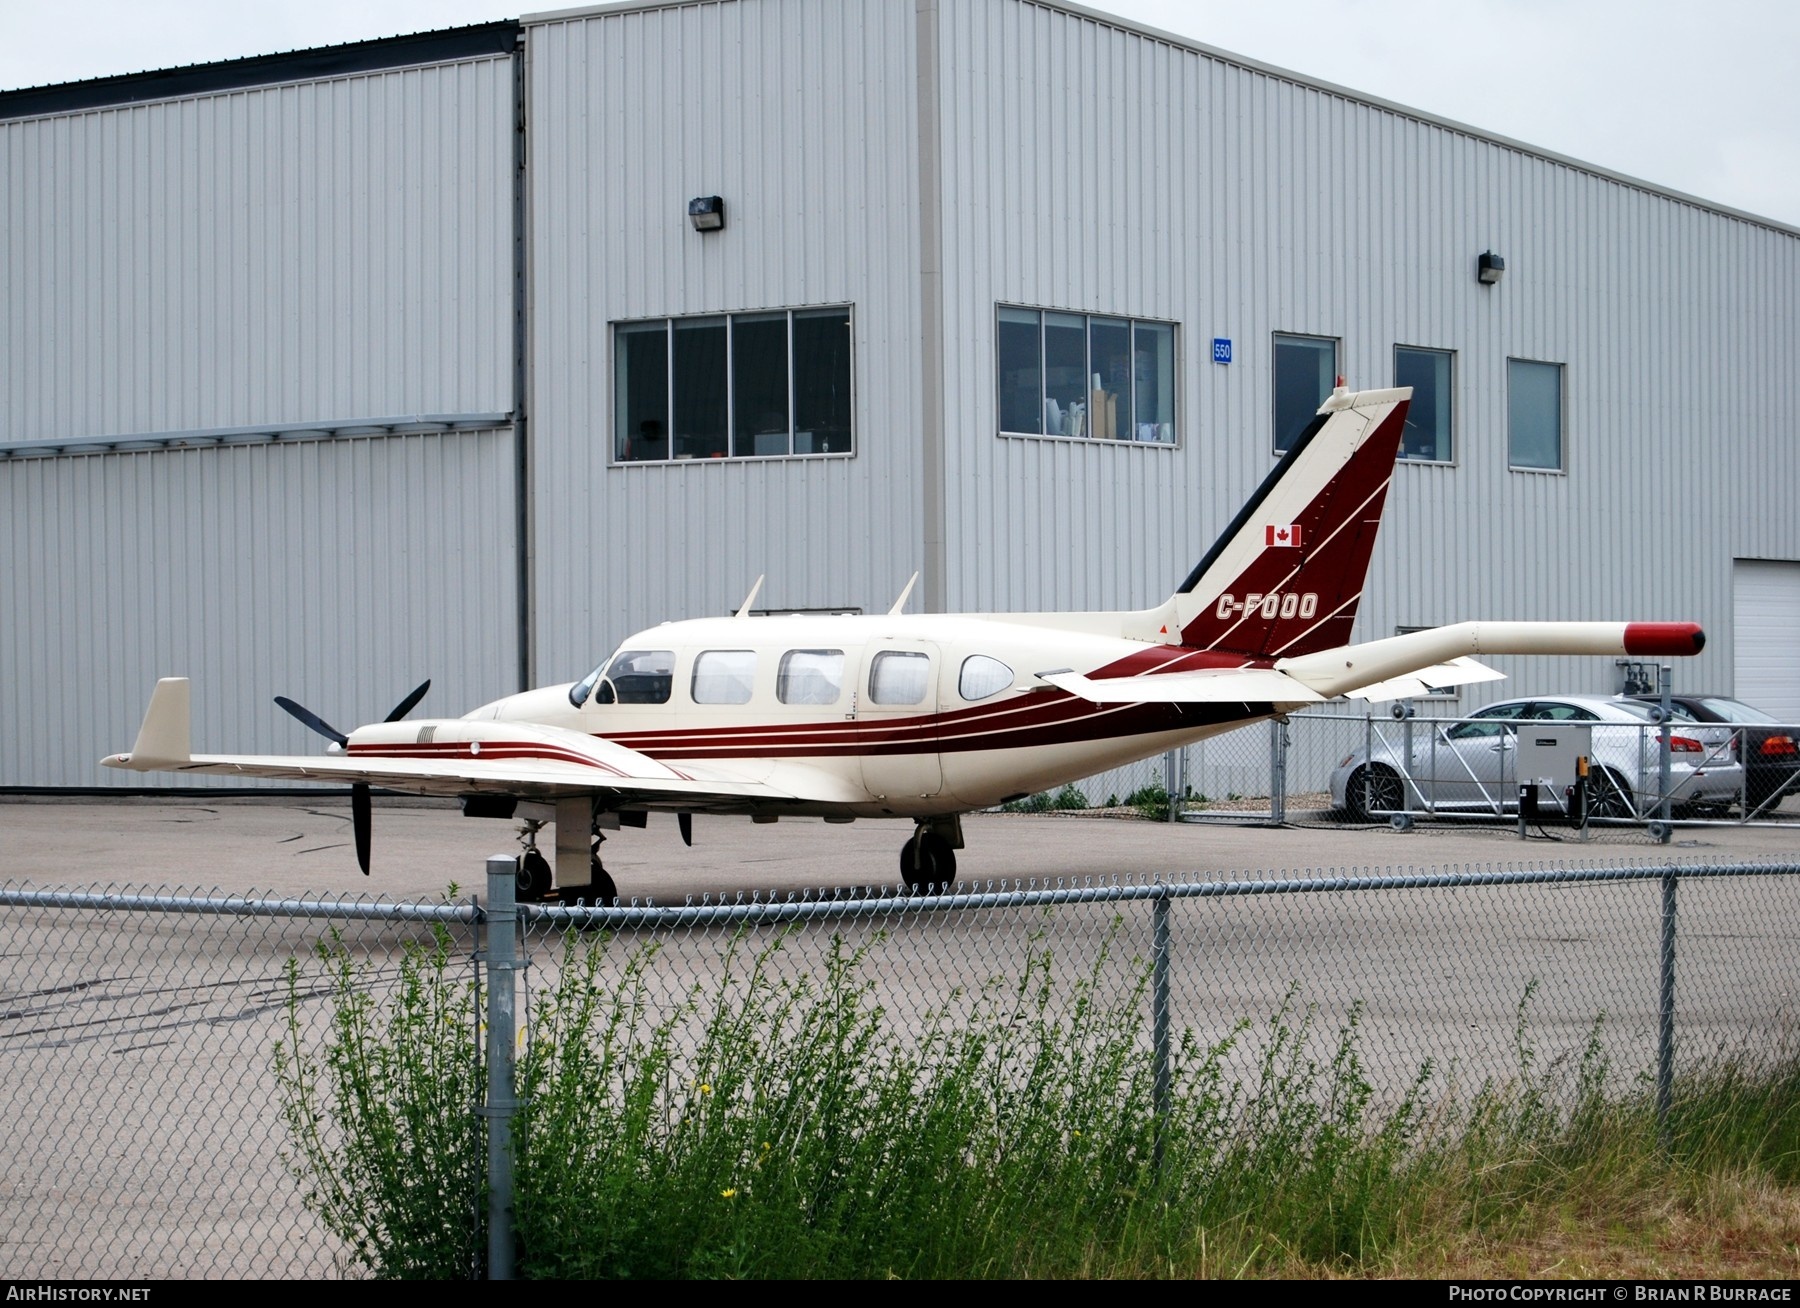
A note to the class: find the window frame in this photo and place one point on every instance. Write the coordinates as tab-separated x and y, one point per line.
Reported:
1337	370
1131	324
731	319
1562	417
1449	401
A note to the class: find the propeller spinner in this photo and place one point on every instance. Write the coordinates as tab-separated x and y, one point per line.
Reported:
361	807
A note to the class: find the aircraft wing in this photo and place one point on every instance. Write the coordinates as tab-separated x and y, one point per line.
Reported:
458	756
1207	686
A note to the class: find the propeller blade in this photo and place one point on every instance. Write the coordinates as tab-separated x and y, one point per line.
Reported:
362	822
686	822
313	720
410	703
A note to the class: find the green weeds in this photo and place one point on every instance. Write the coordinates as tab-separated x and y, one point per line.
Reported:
783	1122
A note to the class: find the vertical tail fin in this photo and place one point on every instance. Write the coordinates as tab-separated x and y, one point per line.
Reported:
1286	576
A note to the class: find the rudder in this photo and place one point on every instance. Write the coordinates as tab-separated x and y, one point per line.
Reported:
1286	576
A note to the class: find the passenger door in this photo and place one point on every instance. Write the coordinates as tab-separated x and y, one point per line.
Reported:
897	723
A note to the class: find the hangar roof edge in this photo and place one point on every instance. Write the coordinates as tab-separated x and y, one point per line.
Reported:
1269	70
263	70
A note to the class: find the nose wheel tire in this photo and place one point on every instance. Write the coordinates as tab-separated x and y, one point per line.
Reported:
928	864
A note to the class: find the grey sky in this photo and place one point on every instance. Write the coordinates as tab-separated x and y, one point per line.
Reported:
1700	98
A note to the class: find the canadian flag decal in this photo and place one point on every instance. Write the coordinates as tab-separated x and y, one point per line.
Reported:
1288	534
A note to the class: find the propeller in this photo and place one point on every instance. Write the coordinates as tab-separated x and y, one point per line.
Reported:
362	809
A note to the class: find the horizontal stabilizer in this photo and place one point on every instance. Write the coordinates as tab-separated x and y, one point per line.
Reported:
1439	676
163	740
1211	686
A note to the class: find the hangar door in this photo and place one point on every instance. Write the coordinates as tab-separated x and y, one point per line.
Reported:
1765	601
340	572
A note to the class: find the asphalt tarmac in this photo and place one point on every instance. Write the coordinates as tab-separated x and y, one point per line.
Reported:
146	1137
292	845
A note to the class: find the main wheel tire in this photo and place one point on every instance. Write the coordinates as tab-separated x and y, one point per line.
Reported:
1609	797
600	892
1374	792
928	864
534	878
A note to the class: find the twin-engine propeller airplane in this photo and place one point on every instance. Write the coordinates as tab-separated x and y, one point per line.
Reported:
929	716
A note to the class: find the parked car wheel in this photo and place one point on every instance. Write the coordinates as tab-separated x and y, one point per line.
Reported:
1373	791
1609	795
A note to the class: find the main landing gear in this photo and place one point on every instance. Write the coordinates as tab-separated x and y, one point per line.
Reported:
534	875
928	860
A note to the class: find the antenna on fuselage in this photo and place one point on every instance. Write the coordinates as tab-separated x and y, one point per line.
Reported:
744	608
904	596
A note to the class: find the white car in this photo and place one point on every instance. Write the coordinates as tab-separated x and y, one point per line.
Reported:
1470	766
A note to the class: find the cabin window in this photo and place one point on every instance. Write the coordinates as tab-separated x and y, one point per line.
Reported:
899	677
724	676
642	676
1078	374
810	676
732	386
982	677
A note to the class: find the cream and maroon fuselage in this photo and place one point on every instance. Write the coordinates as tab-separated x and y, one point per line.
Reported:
944	754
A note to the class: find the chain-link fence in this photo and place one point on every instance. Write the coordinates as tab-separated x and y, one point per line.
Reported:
150	1135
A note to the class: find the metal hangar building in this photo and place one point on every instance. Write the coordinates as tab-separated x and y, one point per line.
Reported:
468	353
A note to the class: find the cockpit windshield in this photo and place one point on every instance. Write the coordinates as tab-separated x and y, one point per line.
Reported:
581	690
632	676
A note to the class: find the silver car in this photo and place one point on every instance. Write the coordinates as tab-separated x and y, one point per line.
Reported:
1470	766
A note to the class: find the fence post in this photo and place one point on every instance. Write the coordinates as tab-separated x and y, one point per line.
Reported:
1159	1013
503	963
1665	1027
1662	684
1278	752
1173	783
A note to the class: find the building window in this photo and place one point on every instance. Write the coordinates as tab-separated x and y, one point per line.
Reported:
1534	415
1306	368
1077	374
738	386
1427	434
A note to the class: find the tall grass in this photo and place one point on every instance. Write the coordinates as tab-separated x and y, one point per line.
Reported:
779	1122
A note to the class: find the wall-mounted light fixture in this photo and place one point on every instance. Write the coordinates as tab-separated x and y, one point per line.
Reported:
707	213
1488	268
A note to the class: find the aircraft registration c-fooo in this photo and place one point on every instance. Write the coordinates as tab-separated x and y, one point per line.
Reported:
929	716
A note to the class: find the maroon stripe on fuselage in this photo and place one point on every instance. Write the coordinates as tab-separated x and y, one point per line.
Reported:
491	751
1056	718
1174	658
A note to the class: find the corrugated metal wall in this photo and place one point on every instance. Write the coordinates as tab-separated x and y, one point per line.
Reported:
343	249
326	250
800	113
1093	168
340	573
313	253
